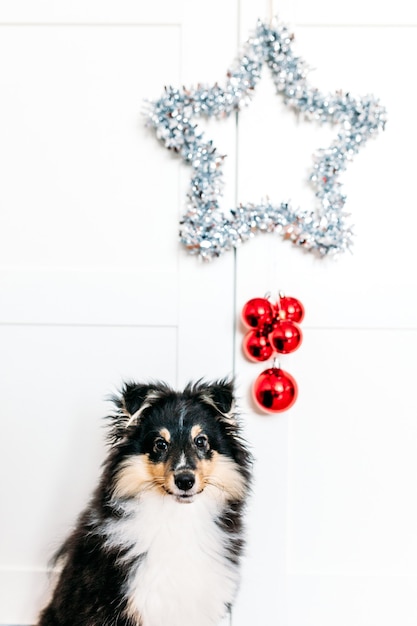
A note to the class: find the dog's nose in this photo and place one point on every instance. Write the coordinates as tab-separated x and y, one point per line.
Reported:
184	481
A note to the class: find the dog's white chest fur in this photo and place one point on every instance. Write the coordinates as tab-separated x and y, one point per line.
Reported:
185	578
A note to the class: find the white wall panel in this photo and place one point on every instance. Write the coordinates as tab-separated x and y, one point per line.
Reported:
375	286
92	11
363	600
88	297
352	455
367	12
79	156
326	12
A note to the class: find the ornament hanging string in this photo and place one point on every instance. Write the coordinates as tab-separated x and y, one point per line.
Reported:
271	12
204	229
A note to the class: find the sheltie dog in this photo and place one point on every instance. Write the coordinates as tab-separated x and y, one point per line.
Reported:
160	542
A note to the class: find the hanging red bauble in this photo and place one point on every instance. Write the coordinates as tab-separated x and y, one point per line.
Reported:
275	390
257	312
286	336
256	346
290	309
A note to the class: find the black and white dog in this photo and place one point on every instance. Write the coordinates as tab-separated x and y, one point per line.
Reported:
160	542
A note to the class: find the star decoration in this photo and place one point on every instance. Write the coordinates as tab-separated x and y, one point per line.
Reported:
204	229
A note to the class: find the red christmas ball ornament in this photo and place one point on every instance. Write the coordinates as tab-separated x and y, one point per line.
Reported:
275	390
290	309
286	336
256	346
257	312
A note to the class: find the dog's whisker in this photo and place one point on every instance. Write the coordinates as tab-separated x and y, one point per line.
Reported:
215	483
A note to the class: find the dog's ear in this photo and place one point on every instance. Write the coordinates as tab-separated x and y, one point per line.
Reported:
220	394
132	398
130	403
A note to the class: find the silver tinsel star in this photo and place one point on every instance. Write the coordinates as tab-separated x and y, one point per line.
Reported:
205	230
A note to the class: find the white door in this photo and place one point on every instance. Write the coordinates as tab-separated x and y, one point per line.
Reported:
333	532
94	285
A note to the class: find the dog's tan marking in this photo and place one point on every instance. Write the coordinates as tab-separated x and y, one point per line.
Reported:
195	431
221	473
158	472
137	475
165	434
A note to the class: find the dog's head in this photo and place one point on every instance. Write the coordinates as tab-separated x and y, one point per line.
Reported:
178	444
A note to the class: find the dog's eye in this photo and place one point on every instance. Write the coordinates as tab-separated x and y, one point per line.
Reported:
201	442
160	445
